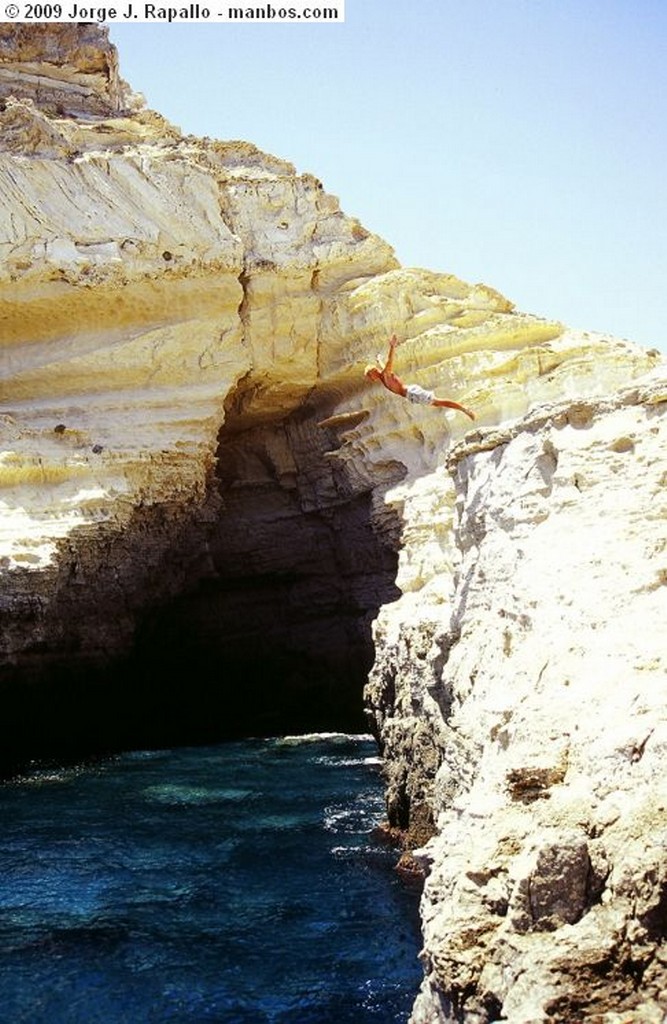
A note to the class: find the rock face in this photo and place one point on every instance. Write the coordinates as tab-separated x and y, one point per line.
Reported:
212	525
67	70
530	718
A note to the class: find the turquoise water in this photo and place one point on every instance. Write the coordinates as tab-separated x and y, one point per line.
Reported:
236	884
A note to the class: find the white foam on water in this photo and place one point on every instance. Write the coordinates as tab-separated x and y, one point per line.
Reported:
169	793
319	737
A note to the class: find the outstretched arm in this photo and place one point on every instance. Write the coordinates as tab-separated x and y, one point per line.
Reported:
389	365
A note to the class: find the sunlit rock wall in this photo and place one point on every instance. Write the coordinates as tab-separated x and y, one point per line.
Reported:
161	297
528	717
65	69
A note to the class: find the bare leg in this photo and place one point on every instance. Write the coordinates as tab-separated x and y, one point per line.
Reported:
443	403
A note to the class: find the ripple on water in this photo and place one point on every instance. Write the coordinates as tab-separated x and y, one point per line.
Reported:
228	884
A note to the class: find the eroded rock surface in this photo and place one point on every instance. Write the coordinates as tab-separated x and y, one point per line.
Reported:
70	70
545	684
210	523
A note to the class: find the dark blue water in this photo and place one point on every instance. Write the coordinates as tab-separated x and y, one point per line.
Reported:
234	884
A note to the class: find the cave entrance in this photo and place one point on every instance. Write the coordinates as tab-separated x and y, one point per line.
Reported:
277	637
261	622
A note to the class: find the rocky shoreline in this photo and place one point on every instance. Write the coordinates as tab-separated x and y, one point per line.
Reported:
197	482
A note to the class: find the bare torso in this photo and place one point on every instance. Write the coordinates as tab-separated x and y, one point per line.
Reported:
392	382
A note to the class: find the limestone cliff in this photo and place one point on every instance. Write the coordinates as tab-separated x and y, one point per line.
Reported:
525	716
211	524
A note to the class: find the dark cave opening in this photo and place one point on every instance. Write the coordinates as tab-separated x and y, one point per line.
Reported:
277	637
256	620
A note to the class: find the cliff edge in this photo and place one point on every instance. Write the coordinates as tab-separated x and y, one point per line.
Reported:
212	525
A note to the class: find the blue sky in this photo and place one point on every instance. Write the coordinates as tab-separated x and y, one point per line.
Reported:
522	143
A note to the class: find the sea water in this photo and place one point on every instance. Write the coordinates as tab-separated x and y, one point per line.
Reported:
237	884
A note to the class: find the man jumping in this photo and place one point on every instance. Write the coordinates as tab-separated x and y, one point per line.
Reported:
413	392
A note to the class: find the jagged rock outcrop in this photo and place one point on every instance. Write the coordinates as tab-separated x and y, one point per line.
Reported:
530	719
211	524
68	70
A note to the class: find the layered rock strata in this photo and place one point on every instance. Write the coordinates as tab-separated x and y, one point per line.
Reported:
154	289
210	524
64	69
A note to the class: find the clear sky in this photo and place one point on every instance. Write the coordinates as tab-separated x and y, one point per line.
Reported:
521	143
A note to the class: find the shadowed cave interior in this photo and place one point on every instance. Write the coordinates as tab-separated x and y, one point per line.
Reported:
270	634
277	637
